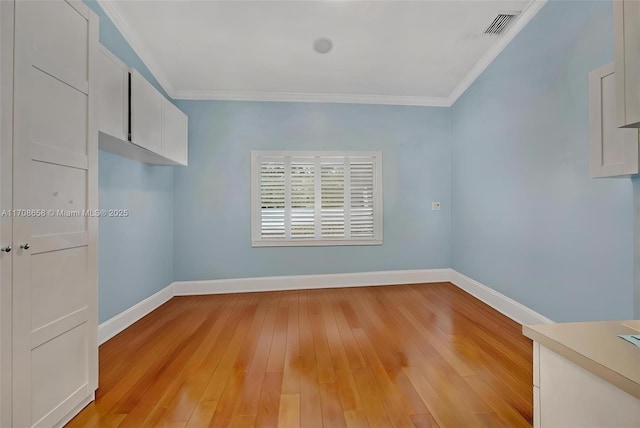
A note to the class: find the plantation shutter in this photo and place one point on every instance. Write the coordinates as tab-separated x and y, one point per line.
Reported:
307	197
361	203
272	199
332	214
302	198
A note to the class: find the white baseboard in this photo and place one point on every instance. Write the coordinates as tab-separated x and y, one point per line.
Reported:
501	303
507	306
304	282
124	319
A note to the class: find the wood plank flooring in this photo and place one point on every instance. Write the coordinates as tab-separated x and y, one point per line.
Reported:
425	355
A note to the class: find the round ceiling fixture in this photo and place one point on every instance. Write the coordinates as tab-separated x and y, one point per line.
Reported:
322	45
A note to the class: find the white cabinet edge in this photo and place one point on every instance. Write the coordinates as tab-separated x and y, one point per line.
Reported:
596	140
129	150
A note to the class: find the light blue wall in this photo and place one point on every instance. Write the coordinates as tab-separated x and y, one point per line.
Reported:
212	195
135	253
526	218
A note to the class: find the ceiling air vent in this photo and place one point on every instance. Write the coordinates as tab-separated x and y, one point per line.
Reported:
501	22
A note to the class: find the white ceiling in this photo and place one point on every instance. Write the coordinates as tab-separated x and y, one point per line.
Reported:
389	52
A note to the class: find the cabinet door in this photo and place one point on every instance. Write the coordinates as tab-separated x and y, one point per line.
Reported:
55	151
626	18
174	133
146	114
571	396
113	95
613	150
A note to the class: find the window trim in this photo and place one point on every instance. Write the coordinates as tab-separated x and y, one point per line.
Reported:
256	239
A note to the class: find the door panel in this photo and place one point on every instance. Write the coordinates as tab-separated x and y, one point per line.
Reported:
146	114
61	128
62	188
58	369
612	154
55	170
59	41
113	98
174	133
59	285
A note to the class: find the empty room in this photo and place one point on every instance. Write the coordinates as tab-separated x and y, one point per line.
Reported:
327	213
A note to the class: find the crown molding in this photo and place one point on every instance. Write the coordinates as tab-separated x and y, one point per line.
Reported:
485	60
114	13
313	98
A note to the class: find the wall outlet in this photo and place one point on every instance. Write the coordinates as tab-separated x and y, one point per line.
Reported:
435	206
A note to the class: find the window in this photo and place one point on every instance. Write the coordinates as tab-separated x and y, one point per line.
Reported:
316	198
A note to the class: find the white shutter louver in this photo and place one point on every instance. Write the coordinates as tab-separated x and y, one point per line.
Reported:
316	198
361	203
332	199
302	199
272	199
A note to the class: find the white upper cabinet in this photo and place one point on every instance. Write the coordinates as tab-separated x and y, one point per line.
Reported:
174	133
613	150
146	114
626	15
113	95
156	130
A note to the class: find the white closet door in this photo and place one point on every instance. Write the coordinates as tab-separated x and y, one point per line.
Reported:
55	167
6	186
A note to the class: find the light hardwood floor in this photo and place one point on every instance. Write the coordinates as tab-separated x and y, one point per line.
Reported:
423	355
